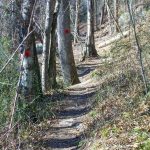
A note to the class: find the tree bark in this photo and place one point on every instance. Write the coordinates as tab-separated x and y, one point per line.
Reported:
102	11
109	17
76	26
90	51
116	9
65	45
52	54
30	84
96	14
50	6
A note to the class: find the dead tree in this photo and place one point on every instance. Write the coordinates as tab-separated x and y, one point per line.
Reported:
76	26
30	85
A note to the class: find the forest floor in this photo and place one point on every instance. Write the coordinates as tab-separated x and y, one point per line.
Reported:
70	125
108	110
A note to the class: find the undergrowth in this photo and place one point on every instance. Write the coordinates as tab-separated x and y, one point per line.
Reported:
26	114
122	110
8	81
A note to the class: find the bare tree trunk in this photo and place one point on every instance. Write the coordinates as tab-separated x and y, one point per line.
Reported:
138	45
113	22
65	45
52	54
30	84
76	26
50	6
96	14
90	50
109	17
102	12
116	9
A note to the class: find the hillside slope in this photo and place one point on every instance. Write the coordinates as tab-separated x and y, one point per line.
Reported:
108	109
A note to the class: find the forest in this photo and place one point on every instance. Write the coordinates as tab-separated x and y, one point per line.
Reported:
74	75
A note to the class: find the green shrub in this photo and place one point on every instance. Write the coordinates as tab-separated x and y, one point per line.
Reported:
8	80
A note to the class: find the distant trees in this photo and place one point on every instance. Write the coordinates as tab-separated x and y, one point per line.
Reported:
96	13
139	49
113	13
76	26
116	15
90	49
53	47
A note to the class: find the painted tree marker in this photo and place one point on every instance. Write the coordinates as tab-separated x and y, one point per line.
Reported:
27	53
67	31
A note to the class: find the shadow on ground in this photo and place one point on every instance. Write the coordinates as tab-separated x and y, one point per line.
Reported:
62	143
68	130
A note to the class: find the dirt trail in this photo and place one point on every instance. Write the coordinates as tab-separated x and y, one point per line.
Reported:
69	127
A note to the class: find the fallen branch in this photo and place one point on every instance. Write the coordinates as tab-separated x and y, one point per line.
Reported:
114	39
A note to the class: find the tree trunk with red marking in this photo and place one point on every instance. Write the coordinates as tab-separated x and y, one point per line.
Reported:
65	45
30	84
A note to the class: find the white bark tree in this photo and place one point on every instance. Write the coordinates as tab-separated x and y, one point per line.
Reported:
65	44
30	84
109	17
139	49
102	11
76	26
116	9
96	14
90	50
50	6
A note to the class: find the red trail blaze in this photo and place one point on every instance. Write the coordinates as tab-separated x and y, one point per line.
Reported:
27	53
66	31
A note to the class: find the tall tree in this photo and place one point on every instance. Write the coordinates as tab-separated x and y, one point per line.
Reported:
96	13
108	4
53	47
65	44
50	6
76	26
90	50
116	17
139	49
30	83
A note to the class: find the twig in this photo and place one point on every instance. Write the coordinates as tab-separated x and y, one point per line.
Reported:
138	47
15	52
114	18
